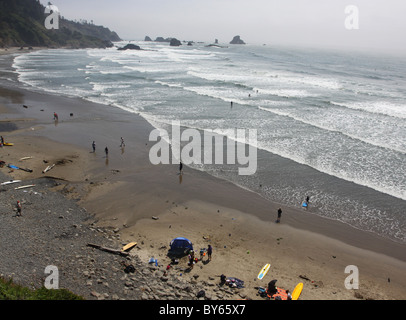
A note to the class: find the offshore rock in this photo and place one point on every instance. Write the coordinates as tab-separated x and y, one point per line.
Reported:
237	40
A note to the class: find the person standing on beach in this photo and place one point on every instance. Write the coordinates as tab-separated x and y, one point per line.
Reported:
209	252
94	146
279	215
122	143
55	116
180	168
106	150
19	208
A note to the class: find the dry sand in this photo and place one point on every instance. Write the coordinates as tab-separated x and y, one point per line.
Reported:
125	190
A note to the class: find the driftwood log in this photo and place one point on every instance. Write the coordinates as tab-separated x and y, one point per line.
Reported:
110	250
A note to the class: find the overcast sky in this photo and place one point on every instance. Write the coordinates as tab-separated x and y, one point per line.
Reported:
312	23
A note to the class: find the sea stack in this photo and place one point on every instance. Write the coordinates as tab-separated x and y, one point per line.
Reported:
175	42
237	40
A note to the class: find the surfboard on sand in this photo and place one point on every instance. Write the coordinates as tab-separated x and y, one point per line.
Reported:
129	246
297	291
264	271
9	182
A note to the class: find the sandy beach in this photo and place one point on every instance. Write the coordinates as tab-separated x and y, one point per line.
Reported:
124	191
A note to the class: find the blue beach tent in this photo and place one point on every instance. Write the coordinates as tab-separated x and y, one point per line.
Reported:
181	243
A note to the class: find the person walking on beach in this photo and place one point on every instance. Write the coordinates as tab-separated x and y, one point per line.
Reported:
94	146
19	208
209	252
55	116
122	143
279	215
180	168
191	259
106	150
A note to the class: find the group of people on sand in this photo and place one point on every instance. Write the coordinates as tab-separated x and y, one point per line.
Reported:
305	204
106	150
193	259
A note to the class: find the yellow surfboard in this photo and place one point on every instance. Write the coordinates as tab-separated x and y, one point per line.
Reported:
129	246
264	271
297	291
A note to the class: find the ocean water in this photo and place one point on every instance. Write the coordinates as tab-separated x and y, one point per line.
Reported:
330	125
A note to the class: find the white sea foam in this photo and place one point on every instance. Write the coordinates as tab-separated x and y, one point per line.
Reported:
397	110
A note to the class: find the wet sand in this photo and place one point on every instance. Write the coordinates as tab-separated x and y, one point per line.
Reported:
125	190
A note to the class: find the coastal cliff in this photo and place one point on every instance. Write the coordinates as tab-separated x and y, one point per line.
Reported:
22	23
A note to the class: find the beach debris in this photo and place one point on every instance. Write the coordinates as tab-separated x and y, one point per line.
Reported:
109	250
48	168
155	218
23	187
17	168
25	158
128	268
9	182
129	246
304	277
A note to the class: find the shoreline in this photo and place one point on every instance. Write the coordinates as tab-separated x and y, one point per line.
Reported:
127	190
